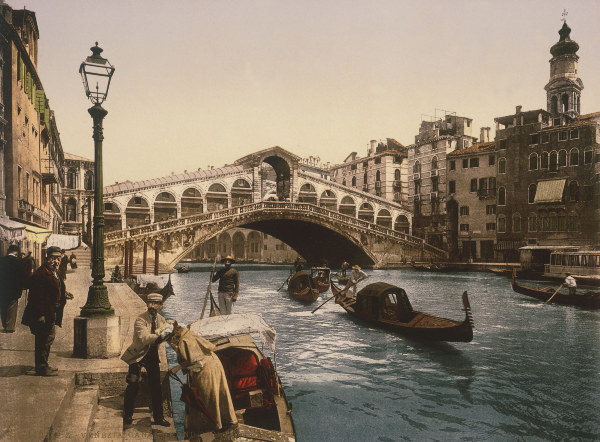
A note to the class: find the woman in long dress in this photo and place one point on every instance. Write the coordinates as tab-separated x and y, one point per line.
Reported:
199	361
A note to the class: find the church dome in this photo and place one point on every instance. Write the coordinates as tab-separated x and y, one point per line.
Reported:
565	45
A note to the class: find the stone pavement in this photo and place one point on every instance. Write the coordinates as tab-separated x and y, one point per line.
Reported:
85	402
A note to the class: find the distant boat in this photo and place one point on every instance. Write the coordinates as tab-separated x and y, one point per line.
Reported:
432	267
387	306
589	300
321	278
143	285
500	272
183	269
302	287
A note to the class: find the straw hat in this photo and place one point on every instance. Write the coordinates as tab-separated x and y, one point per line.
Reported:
228	258
356	267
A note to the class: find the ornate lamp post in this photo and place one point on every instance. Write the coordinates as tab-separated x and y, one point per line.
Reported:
96	73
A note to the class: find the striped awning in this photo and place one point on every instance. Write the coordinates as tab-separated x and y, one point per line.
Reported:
550	191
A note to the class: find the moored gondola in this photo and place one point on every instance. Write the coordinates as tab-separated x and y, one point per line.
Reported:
301	287
387	306
590	300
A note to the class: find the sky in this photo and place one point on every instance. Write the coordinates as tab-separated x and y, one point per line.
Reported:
202	83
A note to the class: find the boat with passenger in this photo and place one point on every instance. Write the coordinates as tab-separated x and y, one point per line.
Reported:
302	287
321	278
387	306
583	265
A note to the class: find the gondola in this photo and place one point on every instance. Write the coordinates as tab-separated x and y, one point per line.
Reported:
301	287
499	272
590	300
321	278
431	267
183	269
143	285
262	409
388	307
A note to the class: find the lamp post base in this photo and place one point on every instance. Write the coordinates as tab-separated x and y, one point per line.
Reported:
97	305
96	338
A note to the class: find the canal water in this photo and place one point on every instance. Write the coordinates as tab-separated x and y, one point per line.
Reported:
531	372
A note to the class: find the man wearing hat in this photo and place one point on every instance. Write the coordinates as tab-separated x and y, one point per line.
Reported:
150	330
46	301
229	285
571	284
11	285
356	276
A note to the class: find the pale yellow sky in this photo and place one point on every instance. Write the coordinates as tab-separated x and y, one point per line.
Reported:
201	83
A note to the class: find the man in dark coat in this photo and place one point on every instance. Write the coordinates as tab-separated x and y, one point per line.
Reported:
229	285
11	285
62	267
46	301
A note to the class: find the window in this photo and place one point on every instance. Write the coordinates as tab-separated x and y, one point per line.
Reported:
562	158
562	136
464	210
573	223
562	222
501	224
19	173
417	187
353	181
574	134
474	185
466	144
574	191
344	182
452	186
465	163
434	163
545	138
502	196
517	223
452	165
533	161
574	157
553	161
378	176
588	156
532	190
353	167
503	144
491	160
544	160
417	167
534	139
434	184
492	183
474	162
490	226
532	223
490	209
417	207
365	164
556	121
502	165
397	174
378	160
464	227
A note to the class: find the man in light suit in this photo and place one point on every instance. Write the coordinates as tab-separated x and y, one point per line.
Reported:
150	331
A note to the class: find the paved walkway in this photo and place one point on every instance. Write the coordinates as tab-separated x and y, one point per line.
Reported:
33	408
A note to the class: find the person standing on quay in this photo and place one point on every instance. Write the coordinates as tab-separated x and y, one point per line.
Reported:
229	285
45	304
11	285
150	330
62	267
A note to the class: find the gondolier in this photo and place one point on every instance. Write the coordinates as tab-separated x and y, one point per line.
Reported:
229	285
571	284
356	276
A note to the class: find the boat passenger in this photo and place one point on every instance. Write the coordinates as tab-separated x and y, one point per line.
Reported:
298	264
356	276
345	266
199	361
229	285
571	284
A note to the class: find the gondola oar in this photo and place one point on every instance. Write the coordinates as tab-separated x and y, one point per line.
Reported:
288	278
323	304
212	272
550	298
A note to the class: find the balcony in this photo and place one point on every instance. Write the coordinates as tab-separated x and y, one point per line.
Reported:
25	206
486	193
377	184
50	174
397	184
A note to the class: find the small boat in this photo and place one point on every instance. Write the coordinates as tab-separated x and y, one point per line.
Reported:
321	278
183	269
143	285
499	271
387	306
301	287
431	267
261	406
590	300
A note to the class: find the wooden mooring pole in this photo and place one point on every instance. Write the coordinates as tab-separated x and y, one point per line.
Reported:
156	255
145	256
126	263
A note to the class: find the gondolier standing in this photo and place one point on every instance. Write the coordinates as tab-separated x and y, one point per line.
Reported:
356	276
571	284
229	285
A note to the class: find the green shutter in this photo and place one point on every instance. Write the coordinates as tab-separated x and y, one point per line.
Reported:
33	91
40	100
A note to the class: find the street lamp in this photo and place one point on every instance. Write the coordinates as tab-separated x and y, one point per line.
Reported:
96	73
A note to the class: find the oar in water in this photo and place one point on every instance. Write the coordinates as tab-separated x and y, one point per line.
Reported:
323	304
288	278
212	272
550	298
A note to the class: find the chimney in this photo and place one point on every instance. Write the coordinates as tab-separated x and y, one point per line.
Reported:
484	136
519	109
373	145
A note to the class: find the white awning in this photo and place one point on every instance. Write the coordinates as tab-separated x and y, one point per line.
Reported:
66	242
550	191
11	231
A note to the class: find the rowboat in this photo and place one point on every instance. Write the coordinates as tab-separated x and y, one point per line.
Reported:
261	407
301	287
320	277
387	306
590	300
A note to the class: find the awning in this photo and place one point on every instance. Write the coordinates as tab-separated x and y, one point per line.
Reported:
550	191
66	242
37	234
11	231
574	248
508	245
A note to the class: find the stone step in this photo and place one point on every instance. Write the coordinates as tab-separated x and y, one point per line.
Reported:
75	421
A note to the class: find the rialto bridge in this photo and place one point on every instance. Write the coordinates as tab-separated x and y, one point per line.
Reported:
265	191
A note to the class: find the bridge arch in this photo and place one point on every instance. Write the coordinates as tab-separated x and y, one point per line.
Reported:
307	194
238	245
402	224
165	206
328	200
191	201
348	206
384	218
112	216
217	197
137	212
241	192
366	212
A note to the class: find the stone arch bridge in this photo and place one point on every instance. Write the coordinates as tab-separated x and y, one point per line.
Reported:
266	191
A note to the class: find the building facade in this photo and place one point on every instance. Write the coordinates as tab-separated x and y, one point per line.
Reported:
78	196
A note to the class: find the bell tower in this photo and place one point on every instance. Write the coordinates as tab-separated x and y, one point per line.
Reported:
563	91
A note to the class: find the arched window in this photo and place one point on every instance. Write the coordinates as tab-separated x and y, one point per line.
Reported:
71	179
544	160
434	163
562	158
553	161
532	223
565	103
353	181
397	174
502	165
378	176
417	167
554	105
501	224
532	190
89	181
501	196
588	156
574	157
574	191
516	223
365	178
344	182
533	161
562	221
573	222
71	210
